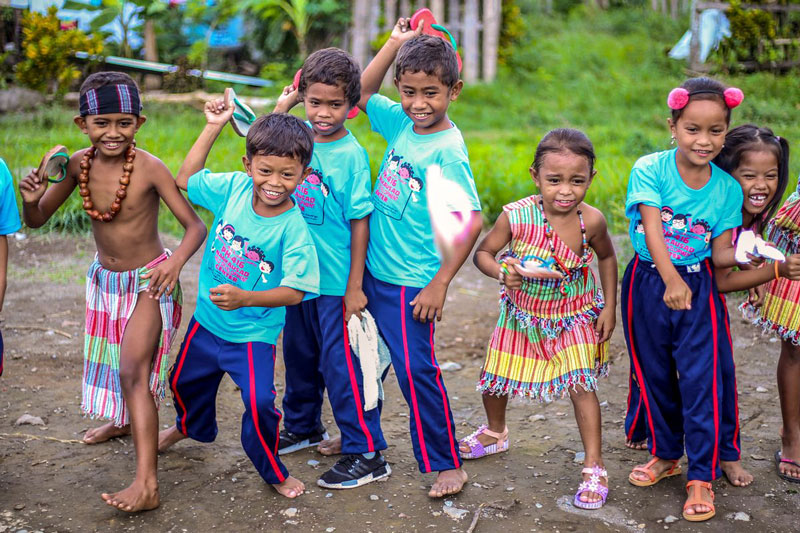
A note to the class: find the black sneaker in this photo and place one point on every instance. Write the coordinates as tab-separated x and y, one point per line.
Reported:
354	470
291	442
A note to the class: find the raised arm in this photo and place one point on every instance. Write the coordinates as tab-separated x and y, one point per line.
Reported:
289	98
39	201
218	112
372	76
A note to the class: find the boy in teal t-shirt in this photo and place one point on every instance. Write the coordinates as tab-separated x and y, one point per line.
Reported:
260	259
9	223
335	202
406	281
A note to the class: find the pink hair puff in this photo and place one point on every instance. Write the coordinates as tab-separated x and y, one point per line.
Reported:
678	98
733	97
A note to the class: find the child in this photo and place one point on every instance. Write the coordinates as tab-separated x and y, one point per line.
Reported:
240	305
128	338
759	161
9	223
316	349
685	334
406	282
551	339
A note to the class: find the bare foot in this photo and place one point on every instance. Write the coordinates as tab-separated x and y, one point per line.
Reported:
448	482
658	468
140	496
291	487
168	437
105	432
636	444
699	508
330	446
736	474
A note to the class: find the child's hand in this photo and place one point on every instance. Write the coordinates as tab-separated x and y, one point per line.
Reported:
755	260
163	278
32	188
790	268
605	324
678	295
402	31
756	296
220	110
289	98
355	301
429	302
513	279
227	297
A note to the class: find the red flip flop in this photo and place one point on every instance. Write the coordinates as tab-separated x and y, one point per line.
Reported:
296	82
433	28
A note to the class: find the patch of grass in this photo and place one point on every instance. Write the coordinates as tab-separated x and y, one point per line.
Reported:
605	73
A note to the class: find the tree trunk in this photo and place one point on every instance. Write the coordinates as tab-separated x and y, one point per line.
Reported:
360	43
437	7
492	12
469	46
389	20
151	81
454	19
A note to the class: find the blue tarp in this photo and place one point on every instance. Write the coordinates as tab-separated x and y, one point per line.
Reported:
714	27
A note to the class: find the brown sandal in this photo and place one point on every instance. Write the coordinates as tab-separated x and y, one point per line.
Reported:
674	471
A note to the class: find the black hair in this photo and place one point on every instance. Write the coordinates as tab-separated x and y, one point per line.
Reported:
564	140
749	137
282	135
703	89
667	208
101	79
679	216
257	251
239	239
432	55
228	227
332	66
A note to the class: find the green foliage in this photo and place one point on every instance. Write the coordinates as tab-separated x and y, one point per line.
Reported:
753	36
180	81
277	72
48	50
511	30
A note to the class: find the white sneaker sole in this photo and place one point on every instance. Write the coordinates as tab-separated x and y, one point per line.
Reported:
302	445
357	482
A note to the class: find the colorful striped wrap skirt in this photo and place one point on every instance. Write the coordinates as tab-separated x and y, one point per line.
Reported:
110	300
780	312
545	341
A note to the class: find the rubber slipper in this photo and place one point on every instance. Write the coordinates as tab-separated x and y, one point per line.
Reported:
674	471
243	117
778	461
54	165
353	113
695	499
433	28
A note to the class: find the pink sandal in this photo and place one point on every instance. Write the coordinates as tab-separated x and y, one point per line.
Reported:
478	450
593	485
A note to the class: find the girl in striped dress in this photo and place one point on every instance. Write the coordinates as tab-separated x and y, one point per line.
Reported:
552	335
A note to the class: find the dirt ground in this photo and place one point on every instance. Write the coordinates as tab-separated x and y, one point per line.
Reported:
49	481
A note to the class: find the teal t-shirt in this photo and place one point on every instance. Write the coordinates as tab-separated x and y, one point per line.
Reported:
401	246
251	252
690	217
335	192
9	214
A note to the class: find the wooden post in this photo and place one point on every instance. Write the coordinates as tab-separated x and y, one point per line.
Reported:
469	45
492	12
454	20
437	7
405	9
389	20
694	45
360	43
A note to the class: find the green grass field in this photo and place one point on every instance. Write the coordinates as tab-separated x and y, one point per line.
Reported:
605	73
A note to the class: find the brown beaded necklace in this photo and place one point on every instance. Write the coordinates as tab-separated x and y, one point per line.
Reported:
83	184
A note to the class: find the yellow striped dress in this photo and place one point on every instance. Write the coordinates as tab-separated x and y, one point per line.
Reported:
780	313
545	341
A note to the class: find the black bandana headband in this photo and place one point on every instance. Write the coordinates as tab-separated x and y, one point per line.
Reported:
111	99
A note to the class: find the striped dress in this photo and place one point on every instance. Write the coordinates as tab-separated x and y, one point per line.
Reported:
545	342
780	313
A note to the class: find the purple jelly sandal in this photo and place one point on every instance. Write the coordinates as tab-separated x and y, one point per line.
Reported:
593	485
478	450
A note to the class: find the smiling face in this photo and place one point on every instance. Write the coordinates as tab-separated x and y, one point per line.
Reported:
112	133
425	100
757	174
275	178
563	179
699	132
326	110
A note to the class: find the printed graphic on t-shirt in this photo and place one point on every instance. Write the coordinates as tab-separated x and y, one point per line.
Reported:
397	185
236	262
310	196
684	235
